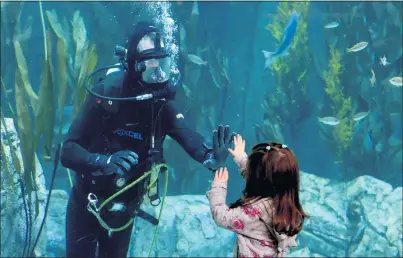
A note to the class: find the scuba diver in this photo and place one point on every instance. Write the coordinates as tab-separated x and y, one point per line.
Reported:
118	136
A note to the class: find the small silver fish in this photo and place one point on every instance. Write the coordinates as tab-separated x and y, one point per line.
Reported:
361	115
396	81
373	78
47	158
196	60
357	47
332	25
329	120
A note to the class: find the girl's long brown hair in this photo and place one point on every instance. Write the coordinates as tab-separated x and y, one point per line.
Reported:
275	173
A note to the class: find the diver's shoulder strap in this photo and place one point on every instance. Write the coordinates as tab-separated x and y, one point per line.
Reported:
112	87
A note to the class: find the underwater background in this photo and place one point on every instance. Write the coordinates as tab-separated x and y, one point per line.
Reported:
335	99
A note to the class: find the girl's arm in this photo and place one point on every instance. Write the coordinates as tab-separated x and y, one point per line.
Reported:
241	162
234	219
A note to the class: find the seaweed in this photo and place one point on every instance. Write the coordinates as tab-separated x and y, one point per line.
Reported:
340	103
290	72
62	82
42	105
61	64
23	71
90	61
25	131
45	113
85	61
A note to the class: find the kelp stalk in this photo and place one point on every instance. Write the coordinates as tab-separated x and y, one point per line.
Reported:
44	30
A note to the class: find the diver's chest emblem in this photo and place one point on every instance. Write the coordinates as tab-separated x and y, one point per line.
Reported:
123	132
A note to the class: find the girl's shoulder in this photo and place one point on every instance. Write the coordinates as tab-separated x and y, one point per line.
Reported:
264	206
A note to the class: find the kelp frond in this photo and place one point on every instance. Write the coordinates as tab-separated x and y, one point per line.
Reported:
45	115
341	105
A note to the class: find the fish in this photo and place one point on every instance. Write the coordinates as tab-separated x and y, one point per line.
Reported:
47	158
288	38
373	78
196	60
396	81
332	25
383	61
357	47
329	120
361	115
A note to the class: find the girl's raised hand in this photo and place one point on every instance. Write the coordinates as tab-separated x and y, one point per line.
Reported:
221	176
239	144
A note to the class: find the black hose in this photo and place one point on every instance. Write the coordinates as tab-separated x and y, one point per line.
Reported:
30	222
57	157
26	215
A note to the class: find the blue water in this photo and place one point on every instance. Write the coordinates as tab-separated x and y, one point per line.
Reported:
238	31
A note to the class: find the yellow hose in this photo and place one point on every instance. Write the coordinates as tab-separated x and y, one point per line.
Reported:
69	175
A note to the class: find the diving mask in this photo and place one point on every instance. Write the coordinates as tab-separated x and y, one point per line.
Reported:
155	70
154	63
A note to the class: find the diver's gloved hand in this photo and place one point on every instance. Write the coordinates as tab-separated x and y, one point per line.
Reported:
222	141
118	163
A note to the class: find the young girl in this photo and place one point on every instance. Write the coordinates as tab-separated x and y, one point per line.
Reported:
269	215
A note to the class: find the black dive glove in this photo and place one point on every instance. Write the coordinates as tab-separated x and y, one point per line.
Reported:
118	163
222	141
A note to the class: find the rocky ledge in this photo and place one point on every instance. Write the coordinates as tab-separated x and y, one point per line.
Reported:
361	218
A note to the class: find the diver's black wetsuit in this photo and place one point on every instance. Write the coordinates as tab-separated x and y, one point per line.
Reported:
97	131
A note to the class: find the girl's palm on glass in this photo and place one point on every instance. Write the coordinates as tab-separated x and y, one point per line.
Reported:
239	144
